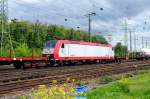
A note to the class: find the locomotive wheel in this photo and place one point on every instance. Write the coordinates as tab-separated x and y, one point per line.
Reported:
54	63
18	65
61	63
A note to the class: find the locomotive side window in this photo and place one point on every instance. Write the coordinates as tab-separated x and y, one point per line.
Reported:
62	46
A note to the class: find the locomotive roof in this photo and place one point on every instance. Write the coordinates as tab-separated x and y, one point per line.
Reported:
85	43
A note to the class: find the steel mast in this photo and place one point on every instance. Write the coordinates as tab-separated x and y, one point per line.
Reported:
5	37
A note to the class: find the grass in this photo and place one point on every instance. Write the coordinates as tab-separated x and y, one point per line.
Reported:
136	87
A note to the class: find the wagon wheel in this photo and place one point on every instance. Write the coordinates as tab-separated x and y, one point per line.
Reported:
18	65
26	65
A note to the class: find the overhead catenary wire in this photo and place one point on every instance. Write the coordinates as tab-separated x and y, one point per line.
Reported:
46	14
45	10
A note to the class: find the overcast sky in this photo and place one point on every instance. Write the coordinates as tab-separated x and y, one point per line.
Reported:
109	21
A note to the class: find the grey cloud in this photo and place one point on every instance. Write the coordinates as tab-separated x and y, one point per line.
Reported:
55	11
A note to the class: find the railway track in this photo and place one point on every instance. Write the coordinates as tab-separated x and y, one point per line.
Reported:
13	72
22	75
21	80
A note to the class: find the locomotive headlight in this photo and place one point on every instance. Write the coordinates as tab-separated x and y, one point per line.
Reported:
51	51
48	51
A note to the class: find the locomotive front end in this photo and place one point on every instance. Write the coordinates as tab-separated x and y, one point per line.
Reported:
49	48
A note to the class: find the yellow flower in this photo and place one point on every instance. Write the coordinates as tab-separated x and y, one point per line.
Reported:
41	86
73	80
24	97
65	91
124	81
54	81
40	94
53	89
68	79
64	84
62	91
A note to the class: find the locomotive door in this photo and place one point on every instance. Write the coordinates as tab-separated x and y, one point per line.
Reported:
65	50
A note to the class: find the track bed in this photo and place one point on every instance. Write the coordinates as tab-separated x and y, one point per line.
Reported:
15	80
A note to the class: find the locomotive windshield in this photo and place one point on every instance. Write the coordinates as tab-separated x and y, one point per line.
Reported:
49	47
50	44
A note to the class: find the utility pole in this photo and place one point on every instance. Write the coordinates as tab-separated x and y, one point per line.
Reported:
89	19
5	38
89	27
131	45
71	34
125	34
134	45
142	45
146	43
142	42
3	21
135	42
130	41
125	37
37	26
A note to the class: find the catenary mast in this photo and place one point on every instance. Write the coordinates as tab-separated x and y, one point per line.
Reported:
5	37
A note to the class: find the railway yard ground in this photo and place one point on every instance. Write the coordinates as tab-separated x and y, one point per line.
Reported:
14	82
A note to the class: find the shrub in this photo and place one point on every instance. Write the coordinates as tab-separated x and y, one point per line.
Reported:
4	52
122	87
23	50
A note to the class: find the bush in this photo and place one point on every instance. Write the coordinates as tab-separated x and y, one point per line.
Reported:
4	52
37	52
122	87
23	50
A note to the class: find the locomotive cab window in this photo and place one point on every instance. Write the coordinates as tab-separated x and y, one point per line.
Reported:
50	44
62	46
112	48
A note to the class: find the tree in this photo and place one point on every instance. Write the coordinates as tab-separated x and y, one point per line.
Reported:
99	39
120	50
34	35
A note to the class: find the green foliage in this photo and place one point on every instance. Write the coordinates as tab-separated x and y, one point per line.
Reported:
110	78
4	52
99	39
127	88
23	50
135	54
34	35
120	50
37	52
